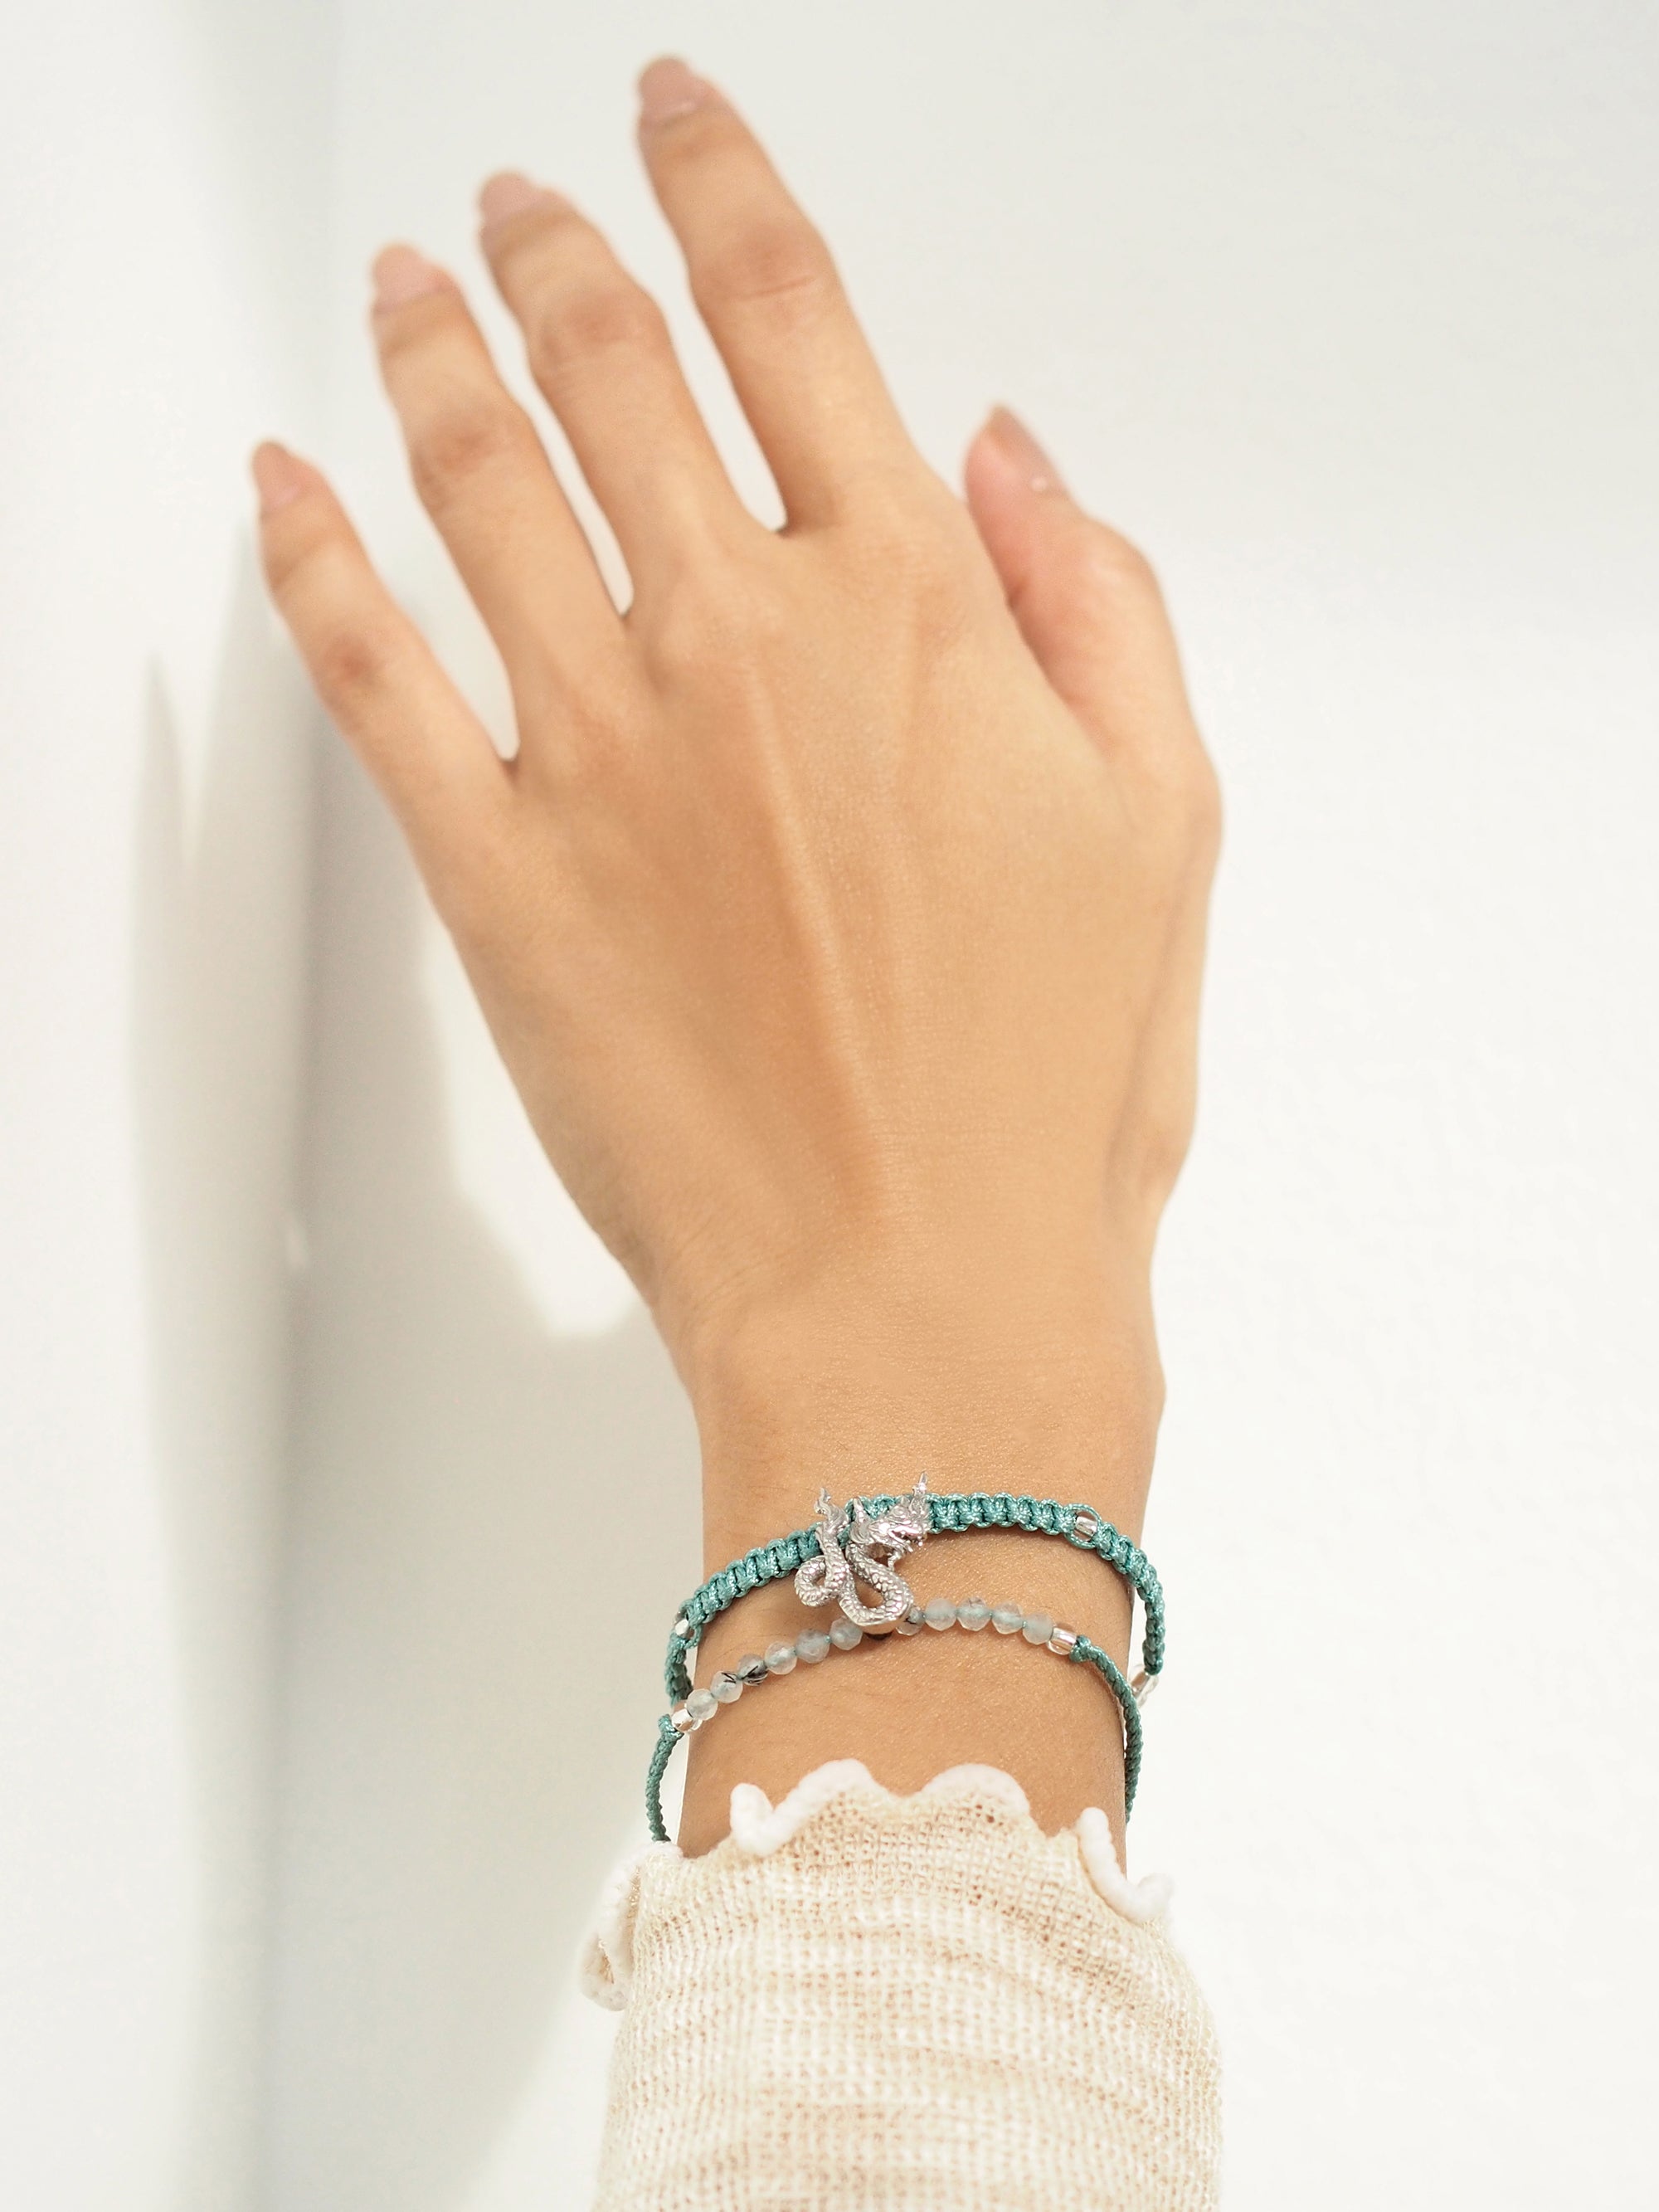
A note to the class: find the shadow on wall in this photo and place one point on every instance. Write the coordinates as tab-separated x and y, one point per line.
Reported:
490	1526
218	938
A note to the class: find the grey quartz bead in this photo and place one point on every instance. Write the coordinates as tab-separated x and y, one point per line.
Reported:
845	1634
940	1613
973	1612
779	1658
703	1705
727	1687
1039	1628
911	1623
812	1644
751	1667
1007	1620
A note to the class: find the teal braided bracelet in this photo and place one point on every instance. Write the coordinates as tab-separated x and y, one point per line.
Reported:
952	1514
894	1524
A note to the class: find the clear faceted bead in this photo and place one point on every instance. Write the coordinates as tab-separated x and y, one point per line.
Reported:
812	1644
751	1667
779	1658
940	1613
845	1634
911	1623
703	1705
1007	1620
727	1687
973	1612
1039	1628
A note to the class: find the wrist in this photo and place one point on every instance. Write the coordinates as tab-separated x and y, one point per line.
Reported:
980	1380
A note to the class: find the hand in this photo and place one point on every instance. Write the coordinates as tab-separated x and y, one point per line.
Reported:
841	918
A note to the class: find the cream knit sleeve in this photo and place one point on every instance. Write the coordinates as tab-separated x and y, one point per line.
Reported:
900	2004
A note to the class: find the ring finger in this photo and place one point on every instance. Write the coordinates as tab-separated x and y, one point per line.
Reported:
599	347
484	477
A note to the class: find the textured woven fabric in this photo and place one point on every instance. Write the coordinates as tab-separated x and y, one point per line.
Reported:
900	2004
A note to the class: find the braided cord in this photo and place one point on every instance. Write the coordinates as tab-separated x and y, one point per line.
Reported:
1112	1675
667	1737
950	1515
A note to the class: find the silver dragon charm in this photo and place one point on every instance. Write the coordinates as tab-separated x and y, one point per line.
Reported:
848	1557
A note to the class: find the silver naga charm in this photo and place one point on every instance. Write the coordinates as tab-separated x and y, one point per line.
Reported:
848	1557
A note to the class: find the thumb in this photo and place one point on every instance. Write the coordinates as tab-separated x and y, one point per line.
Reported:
1087	601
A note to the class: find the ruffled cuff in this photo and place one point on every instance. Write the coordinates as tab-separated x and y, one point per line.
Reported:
860	1998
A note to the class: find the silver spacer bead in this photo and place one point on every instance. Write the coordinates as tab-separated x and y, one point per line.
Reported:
682	1720
1086	1525
1064	1642
682	1626
1142	1685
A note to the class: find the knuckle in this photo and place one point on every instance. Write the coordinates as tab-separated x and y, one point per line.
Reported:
922	551
592	320
1184	800
779	260
350	664
699	626
461	443
1113	567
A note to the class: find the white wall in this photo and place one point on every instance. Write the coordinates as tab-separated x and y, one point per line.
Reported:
163	169
1348	313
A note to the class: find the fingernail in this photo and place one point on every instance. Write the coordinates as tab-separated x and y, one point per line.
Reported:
278	477
668	88
1017	441
511	194
400	274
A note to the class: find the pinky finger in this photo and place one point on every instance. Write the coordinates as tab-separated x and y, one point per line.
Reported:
375	673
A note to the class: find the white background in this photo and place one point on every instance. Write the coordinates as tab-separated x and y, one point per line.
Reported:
345	1488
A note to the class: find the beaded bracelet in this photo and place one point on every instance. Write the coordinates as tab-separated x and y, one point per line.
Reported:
893	1524
814	1644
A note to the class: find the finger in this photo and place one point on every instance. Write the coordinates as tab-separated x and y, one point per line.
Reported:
599	347
766	286
1087	601
375	673
483	477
